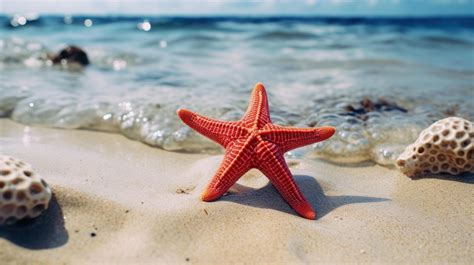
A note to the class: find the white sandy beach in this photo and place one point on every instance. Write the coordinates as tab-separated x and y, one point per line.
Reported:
142	205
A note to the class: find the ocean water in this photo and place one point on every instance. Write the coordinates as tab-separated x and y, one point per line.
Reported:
378	81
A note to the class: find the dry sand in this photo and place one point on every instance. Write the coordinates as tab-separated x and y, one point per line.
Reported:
142	205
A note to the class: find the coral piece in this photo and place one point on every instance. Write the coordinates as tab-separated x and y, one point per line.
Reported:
447	146
23	193
254	142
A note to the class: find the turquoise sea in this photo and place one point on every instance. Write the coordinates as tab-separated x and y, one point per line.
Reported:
379	81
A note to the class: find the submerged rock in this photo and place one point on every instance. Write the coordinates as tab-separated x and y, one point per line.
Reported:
71	55
367	105
447	146
23	193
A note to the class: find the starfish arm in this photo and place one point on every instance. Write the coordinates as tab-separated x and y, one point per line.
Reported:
237	161
275	168
288	138
258	112
221	132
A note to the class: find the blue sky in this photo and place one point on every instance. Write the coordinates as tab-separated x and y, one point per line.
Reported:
242	7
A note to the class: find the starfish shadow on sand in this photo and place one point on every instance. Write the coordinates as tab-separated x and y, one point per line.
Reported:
46	231
268	197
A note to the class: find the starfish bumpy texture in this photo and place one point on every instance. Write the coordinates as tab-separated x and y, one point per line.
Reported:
254	142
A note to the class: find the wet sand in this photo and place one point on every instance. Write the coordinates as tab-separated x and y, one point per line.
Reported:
120	201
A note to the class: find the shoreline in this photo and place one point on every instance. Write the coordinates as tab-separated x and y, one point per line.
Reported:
143	205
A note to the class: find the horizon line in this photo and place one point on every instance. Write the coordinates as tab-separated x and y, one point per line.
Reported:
237	15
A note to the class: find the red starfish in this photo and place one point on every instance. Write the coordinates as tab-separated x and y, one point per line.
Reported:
254	142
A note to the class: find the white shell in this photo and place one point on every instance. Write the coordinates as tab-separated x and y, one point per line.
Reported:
447	146
23	193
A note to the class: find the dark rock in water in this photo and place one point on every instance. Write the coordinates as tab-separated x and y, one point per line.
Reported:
367	105
71	54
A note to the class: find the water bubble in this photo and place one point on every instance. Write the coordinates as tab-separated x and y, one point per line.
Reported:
344	126
145	25
128	120
163	44
362	144
119	64
352	120
67	19
88	22
335	147
33	62
18	20
21	21
357	128
385	154
350	148
157	137
33	46
319	145
344	135
180	135
107	116
355	136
